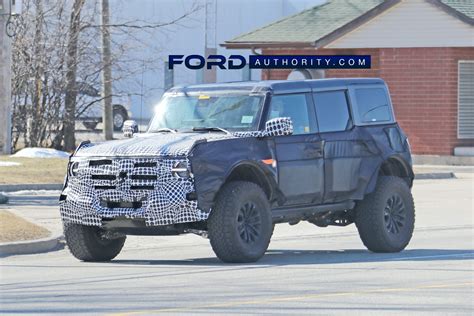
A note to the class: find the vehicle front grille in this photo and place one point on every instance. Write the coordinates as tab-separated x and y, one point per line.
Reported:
142	187
100	162
124	179
117	182
124	174
131	187
145	164
143	177
104	187
103	177
122	204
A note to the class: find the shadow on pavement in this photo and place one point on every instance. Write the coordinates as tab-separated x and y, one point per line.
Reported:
303	257
273	258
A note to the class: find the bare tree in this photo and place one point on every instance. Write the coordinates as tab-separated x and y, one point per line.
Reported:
37	73
57	59
71	63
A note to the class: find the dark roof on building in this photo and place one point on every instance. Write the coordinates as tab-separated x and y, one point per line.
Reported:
324	23
465	7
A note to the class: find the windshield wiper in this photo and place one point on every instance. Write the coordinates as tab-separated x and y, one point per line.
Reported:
374	109
164	129
210	129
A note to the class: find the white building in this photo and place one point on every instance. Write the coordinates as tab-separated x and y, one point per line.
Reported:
225	19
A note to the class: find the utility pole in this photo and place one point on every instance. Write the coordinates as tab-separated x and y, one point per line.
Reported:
210	38
107	116
5	80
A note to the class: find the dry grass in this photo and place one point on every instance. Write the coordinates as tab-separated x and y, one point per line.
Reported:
14	228
33	170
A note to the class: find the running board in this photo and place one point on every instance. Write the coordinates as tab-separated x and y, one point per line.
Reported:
296	213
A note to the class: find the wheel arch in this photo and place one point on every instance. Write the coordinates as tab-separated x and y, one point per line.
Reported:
251	172
392	166
120	107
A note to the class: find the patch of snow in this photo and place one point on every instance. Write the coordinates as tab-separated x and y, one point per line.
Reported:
9	163
36	152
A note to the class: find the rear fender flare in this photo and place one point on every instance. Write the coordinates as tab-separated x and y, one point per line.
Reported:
406	170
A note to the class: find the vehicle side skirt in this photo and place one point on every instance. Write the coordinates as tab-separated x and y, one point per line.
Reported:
294	213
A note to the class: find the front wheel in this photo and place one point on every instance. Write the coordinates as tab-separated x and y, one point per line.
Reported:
87	243
386	217
240	225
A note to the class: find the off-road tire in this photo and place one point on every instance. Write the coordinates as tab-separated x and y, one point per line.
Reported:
227	224
372	216
86	244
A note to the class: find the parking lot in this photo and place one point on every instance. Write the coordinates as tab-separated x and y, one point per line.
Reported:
307	270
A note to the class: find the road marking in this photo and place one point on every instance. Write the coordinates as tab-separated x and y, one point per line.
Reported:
292	298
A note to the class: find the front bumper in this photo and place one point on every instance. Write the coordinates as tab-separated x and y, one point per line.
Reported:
129	187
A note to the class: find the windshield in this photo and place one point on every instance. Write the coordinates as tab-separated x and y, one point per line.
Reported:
230	112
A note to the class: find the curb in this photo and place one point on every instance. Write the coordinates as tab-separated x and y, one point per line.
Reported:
434	175
31	246
443	160
21	187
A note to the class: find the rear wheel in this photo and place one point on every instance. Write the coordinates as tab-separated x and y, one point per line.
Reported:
119	117
240	225
386	217
87	243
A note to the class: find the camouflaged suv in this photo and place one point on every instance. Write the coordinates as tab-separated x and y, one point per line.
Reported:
229	161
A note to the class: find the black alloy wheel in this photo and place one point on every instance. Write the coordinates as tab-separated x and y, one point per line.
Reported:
249	223
394	214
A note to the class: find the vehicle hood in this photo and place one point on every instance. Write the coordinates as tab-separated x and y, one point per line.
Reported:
146	145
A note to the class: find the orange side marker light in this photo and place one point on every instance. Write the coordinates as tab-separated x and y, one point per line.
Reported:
270	161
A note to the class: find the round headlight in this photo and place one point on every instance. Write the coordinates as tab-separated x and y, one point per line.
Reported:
73	168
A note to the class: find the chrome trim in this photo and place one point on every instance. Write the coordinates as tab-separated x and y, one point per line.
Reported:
179	170
176	170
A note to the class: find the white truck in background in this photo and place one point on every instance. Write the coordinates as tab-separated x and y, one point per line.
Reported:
89	107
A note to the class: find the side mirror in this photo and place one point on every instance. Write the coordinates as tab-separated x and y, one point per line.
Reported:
280	126
129	128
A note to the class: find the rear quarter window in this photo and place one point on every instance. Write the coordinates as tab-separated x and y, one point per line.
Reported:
372	105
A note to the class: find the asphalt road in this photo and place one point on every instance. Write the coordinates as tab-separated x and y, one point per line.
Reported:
307	270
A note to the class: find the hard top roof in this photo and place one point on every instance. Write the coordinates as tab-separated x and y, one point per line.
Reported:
275	86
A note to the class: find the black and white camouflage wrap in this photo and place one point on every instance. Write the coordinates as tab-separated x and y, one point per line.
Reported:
280	126
129	128
165	204
139	170
149	145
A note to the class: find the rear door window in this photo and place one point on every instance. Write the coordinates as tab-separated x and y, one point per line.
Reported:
332	111
373	105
